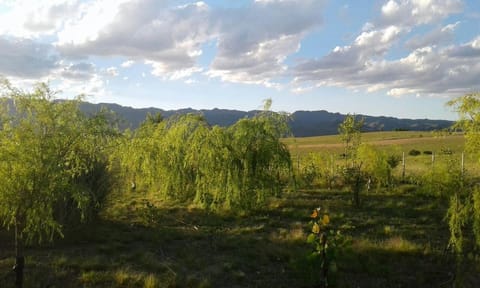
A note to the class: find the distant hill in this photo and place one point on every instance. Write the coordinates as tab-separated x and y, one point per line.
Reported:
303	123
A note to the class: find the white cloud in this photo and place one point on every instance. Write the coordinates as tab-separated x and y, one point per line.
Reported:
254	42
441	35
410	13
162	71
431	68
260	65
172	37
33	18
426	71
112	71
127	63
139	30
390	8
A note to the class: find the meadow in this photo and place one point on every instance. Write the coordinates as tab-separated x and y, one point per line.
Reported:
398	237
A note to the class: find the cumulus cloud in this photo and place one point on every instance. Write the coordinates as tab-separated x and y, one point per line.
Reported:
348	59
78	71
171	38
26	58
127	63
112	71
417	12
33	18
442	35
430	68
139	30
254	41
425	71
255	44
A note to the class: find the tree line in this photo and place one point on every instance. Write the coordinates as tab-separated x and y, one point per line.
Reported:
57	165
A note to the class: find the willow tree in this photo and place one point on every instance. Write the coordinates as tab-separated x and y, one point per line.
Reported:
48	149
259	157
185	159
138	154
464	211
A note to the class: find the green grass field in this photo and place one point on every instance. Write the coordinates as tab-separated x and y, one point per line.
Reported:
395	143
398	237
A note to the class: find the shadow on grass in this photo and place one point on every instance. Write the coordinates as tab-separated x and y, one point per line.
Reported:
144	243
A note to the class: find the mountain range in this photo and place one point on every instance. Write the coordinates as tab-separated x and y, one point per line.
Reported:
302	123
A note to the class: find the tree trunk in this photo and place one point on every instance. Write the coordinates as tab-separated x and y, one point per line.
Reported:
19	256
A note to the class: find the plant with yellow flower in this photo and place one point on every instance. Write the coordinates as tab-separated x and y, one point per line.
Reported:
325	241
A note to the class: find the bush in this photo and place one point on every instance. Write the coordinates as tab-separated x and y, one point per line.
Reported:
414	152
427	152
393	160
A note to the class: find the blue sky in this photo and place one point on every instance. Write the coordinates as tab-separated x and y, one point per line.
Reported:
402	58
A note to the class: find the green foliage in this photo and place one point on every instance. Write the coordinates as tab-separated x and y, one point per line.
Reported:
468	108
353	175
51	162
464	210
376	164
326	242
393	160
185	159
317	170
350	133
443	179
476	214
355	178
310	170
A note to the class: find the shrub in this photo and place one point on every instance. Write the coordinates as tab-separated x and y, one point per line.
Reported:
393	160
427	152
414	152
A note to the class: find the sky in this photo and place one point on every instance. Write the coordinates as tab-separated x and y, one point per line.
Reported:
401	58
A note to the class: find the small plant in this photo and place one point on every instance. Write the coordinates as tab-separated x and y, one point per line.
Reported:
393	160
325	241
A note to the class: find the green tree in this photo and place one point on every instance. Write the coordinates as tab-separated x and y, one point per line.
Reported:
50	160
464	211
468	109
376	165
185	159
350	131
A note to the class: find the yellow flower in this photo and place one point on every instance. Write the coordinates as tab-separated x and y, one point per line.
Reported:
314	214
315	228
325	219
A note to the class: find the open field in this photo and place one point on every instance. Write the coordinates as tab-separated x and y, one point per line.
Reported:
445	148
402	140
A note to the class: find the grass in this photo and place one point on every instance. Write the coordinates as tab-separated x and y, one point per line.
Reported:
398	240
394	143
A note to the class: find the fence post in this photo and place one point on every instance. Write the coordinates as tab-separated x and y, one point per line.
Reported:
403	166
